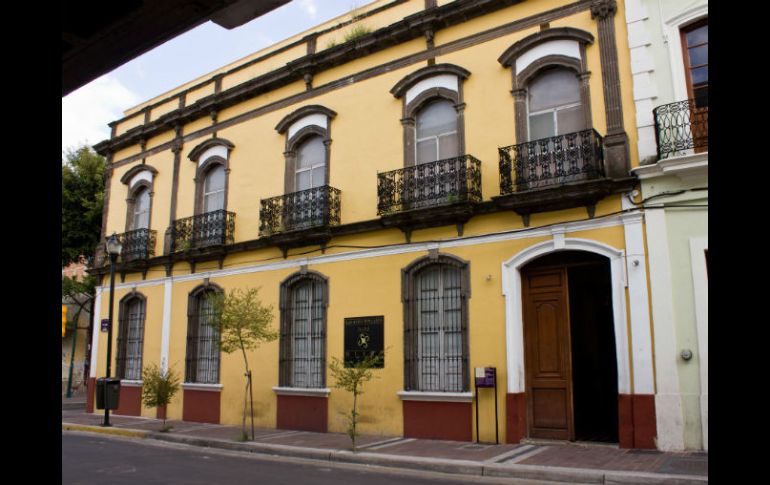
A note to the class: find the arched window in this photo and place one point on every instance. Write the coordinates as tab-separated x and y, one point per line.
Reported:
310	169
202	358
436	132
554	105
436	325
214	189
131	337
303	331
140	217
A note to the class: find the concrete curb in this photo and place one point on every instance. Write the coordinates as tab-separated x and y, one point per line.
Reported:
456	467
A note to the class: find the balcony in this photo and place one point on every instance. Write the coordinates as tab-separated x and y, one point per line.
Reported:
300	218
202	231
429	194
138	245
559	172
682	128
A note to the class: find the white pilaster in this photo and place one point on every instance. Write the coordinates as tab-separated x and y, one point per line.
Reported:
701	296
97	330
166	329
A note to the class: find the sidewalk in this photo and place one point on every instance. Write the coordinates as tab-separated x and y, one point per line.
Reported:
568	463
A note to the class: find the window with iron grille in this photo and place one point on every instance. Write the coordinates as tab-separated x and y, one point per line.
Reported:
202	360
303	332
436	330
131	337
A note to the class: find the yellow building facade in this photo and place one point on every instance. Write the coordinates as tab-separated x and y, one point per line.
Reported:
451	183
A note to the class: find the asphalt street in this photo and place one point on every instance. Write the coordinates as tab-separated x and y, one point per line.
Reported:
101	459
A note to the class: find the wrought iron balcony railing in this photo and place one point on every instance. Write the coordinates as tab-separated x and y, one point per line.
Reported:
551	161
210	229
138	244
433	184
316	207
682	126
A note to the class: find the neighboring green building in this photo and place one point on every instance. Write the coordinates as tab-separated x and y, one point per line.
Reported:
669	57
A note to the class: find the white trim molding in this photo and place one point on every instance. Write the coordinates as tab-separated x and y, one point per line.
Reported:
567	48
698	246
192	386
166	329
302	391
671	29
448	81
684	167
315	119
130	383
96	332
514	323
435	396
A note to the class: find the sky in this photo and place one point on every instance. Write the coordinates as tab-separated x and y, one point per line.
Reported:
87	111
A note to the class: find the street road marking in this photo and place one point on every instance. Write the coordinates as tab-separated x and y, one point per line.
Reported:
389	440
527	454
509	454
398	442
278	435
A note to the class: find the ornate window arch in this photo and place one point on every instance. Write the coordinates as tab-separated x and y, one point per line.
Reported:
212	174
542	54
202	357
440	84
139	181
309	125
131	318
435	293
304	300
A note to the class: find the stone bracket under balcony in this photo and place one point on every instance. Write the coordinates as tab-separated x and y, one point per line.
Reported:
408	221
586	193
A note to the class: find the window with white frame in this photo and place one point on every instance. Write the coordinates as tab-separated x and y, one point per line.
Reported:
311	164
436	132
554	104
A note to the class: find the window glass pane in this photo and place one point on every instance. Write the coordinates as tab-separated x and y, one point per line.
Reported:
142	210
319	176
699	55
570	120
426	151
214	202
698	36
303	180
448	146
311	152
553	88
435	119
700	75
215	179
541	126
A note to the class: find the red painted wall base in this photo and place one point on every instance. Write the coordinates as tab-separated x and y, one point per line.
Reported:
201	406
636	416
306	413
438	420
130	402
515	417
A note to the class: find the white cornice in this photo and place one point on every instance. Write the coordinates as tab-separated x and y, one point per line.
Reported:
191	386
436	396
682	167
302	391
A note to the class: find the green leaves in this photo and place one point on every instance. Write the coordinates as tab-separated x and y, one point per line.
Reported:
82	200
352	378
158	387
244	322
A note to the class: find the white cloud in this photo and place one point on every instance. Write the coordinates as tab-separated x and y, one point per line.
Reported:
86	112
309	7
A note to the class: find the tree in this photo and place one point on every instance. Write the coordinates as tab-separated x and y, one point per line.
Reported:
158	387
82	200
244	323
352	379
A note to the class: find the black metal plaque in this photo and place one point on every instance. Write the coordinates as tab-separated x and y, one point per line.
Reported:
364	336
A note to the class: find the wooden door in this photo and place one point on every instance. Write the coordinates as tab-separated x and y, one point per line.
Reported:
547	354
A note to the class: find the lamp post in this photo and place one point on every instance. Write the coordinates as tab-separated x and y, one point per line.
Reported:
113	249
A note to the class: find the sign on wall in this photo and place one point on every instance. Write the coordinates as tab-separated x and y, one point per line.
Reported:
363	336
105	324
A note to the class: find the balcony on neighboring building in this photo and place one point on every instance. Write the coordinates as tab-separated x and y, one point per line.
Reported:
554	173
682	128
138	245
206	230
300	218
429	194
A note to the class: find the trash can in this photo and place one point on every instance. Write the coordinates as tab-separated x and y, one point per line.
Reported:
112	385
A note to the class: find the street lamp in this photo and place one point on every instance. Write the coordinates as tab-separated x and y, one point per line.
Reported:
113	249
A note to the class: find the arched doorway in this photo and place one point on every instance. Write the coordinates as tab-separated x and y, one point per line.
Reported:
570	357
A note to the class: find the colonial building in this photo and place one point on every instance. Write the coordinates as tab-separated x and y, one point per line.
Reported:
669	55
451	176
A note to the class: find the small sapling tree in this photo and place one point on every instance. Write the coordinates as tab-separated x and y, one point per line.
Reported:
352	379
243	322
158	387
